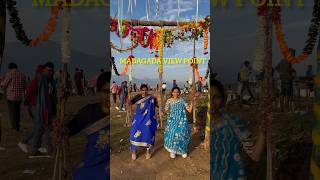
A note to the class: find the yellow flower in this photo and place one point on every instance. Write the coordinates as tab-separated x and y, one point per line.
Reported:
137	134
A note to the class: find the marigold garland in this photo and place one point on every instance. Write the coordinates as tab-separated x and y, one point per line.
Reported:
125	69
312	35
206	41
18	27
161	50
132	47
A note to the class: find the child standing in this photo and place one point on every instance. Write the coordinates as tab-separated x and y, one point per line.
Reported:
177	133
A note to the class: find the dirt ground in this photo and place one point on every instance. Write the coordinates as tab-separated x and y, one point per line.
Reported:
292	133
160	166
13	162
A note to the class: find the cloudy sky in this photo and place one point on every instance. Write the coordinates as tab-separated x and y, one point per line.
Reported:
88	26
168	10
233	35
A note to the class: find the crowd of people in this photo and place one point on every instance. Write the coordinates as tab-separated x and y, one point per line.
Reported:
286	76
40	96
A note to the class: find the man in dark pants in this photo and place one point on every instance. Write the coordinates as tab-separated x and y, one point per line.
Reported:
14	84
42	94
287	74
244	80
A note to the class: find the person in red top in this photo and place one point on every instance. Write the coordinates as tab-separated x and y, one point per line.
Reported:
42	95
14	84
114	90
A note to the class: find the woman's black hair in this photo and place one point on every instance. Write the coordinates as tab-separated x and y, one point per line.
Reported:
218	85
48	64
13	66
174	88
103	79
143	86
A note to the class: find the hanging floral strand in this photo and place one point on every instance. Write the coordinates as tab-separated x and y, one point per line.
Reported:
161	51
206	41
18	27
312	34
114	67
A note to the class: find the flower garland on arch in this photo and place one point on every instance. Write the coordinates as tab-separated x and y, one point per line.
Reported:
125	69
18	27
200	78
134	40
312	35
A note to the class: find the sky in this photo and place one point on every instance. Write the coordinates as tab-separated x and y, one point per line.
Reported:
168	10
234	37
88	26
233	34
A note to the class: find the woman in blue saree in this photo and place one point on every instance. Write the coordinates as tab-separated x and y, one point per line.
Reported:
93	121
228	137
144	124
177	132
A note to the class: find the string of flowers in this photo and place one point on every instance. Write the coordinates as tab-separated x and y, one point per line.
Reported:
18	27
114	67
156	42
312	34
125	69
115	47
206	41
161	50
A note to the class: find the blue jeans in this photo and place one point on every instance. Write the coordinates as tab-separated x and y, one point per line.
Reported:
37	132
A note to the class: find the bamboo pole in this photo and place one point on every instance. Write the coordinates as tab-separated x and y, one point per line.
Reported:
194	87
3	19
161	81
135	22
2	29
60	160
315	156
266	104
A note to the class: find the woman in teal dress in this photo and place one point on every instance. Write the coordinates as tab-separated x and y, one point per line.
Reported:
228	137
177	132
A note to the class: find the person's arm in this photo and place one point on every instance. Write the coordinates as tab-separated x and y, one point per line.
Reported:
253	148
258	147
189	106
156	102
6	81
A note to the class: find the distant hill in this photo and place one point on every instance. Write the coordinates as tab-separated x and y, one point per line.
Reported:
28	58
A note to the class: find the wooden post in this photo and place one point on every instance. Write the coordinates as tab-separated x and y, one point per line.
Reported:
60	166
2	29
266	104
2	44
160	78
194	87
315	157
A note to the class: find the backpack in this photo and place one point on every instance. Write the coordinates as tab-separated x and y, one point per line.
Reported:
239	78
